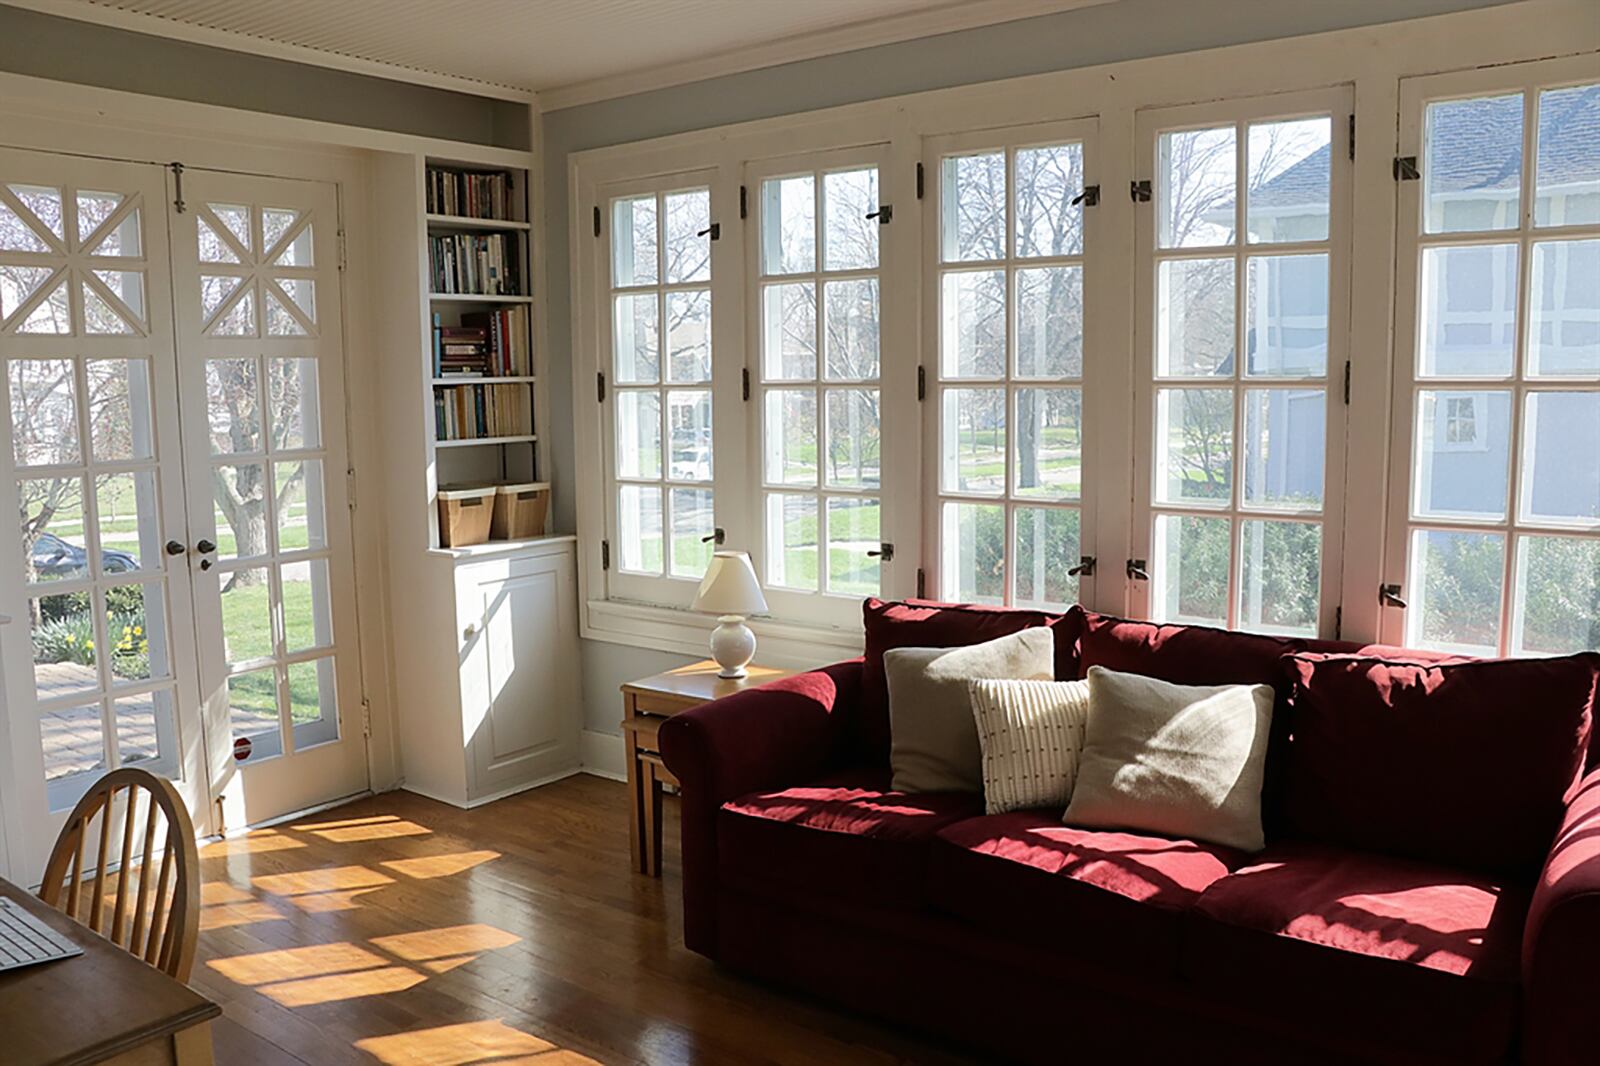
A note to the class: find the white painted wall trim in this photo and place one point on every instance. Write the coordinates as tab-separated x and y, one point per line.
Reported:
604	755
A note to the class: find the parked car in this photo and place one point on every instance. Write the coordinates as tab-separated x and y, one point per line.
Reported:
54	557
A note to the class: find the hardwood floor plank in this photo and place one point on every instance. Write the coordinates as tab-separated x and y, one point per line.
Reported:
398	929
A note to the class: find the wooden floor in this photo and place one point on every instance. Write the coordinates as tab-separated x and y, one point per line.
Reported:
403	931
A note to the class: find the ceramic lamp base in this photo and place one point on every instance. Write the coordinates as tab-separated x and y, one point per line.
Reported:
732	645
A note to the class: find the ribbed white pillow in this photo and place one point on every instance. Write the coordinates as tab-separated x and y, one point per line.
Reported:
1031	733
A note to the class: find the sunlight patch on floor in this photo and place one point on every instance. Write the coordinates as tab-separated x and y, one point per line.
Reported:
439	943
314	960
313	990
255	844
468	1044
429	866
328	879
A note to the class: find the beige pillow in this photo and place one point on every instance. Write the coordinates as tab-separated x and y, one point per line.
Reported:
933	743
1179	760
1031	733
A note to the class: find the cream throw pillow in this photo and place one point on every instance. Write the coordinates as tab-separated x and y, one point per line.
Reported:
1031	733
933	743
1179	760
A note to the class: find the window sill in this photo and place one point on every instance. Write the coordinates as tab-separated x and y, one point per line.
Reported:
785	644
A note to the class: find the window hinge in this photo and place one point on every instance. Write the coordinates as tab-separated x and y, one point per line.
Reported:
884	214
919	181
1137	570
922	583
885	552
597	220
350	487
605	555
177	186
1405	168
1139	191
744	383
366	717
1089	197
1352	137
744	202
344	256
715	230
922	383
1347	383
1338	623
1085	567
600	387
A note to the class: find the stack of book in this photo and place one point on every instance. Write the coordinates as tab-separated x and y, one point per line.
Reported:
469	263
468	194
507	345
460	351
473	412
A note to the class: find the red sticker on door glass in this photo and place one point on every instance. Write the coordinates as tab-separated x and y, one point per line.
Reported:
241	748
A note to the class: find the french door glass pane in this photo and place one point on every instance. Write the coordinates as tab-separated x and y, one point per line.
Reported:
306	595
1280	577
850	309
311	697
1456	580
44	412
972	316
64	645
1472	164
234	396
693	524
1195	187
302	519
99	317
850	238
689	336
1194	446
1557	609
1463	454
689	431
1564	306
296	407
146	731
1290	177
136	632
1194	317
1567	180
853	438
1561	458
1046	548
55	544
17	235
246	616
974	538
791	437
17	283
1286	315
789	229
74	745
688	237
974	441
789	348
1468	311
119	409
128	524
638	339
240	496
974	223
853	531
1191	576
1285	437
1048	463
638	433
1048	180
253	714
792	541
639	528
1049	322
635	251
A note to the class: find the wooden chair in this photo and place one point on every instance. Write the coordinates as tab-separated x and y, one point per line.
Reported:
161	929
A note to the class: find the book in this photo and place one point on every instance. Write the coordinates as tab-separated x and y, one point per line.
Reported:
507	340
474	264
468	193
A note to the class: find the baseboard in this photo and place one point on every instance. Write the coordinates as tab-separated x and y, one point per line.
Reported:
549	779
603	755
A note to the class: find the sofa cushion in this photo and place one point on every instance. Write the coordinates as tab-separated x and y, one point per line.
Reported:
1425	956
1458	762
846	838
925	624
1100	897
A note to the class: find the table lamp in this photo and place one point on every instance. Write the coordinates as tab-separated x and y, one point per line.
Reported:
730	590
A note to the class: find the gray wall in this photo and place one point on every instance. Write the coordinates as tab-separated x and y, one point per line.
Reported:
1130	29
49	46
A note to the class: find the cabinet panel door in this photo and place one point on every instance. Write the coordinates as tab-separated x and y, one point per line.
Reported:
529	726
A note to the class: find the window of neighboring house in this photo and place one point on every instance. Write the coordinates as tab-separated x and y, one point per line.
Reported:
1496	539
1242	319
1007	261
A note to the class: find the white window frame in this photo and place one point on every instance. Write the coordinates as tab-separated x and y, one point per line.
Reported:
1402	624
1084	132
1337	102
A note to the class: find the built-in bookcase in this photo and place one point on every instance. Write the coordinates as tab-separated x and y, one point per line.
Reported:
460	232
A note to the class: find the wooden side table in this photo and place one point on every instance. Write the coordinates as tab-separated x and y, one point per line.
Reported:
647	703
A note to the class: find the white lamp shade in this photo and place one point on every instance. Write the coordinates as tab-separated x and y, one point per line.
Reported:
730	586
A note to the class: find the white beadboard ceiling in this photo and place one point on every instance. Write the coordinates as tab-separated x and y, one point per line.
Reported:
572	50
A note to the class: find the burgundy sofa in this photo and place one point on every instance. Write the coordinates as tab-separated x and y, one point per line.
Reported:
1426	899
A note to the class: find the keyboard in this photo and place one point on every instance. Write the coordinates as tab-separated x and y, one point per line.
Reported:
26	941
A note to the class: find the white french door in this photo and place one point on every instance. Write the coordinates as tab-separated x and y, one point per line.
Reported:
129	360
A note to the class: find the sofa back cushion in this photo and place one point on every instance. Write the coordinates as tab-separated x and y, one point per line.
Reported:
1182	654
925	624
1456	761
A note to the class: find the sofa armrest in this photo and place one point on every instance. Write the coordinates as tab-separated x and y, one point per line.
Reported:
1560	975
783	733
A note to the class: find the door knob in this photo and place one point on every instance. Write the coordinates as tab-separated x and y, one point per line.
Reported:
175	547
206	564
205	547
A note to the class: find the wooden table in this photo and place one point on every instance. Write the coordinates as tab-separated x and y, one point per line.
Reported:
647	703
103	1006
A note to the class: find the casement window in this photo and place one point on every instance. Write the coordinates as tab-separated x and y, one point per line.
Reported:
816	248
1243	237
1005	247
1494	535
657	333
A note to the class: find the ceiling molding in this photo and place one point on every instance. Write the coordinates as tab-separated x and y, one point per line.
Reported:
892	30
156	25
